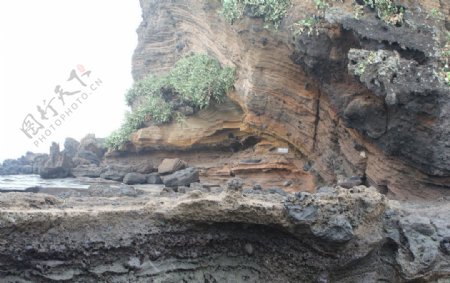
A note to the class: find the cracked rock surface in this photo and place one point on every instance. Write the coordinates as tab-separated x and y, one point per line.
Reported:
335	235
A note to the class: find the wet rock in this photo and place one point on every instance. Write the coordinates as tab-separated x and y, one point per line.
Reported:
154	179
171	165
134	178
182	177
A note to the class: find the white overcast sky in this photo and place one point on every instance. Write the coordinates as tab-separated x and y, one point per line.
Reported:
41	42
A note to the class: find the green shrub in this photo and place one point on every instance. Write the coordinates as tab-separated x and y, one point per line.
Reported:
200	78
149	86
272	11
195	80
386	10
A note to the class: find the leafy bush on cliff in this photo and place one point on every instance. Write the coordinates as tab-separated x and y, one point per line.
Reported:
194	81
272	11
199	79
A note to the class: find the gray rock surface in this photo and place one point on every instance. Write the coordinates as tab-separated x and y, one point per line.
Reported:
58	165
91	171
116	172
134	178
182	177
154	178
71	147
127	234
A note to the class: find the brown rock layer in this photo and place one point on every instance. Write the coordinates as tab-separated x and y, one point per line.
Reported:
299	90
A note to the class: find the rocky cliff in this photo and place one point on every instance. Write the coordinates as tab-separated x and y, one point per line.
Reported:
356	96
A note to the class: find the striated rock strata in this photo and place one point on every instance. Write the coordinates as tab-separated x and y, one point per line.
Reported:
389	124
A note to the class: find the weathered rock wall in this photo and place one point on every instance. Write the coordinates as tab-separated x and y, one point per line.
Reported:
391	127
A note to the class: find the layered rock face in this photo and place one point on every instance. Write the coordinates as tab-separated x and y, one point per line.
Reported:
128	235
360	98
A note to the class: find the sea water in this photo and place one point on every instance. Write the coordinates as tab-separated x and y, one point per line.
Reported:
21	182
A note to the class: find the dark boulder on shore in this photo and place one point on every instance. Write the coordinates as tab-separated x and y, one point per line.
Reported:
182	177
154	179
134	178
116	172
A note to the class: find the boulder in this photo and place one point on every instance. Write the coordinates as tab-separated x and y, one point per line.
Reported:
116	172
182	177
93	144
134	178
154	178
71	147
86	157
144	168
91	171
38	162
58	165
169	165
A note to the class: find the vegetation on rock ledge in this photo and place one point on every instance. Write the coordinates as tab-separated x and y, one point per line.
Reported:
193	83
272	11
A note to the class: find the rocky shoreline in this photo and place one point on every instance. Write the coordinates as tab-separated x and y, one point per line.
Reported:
327	160
217	235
